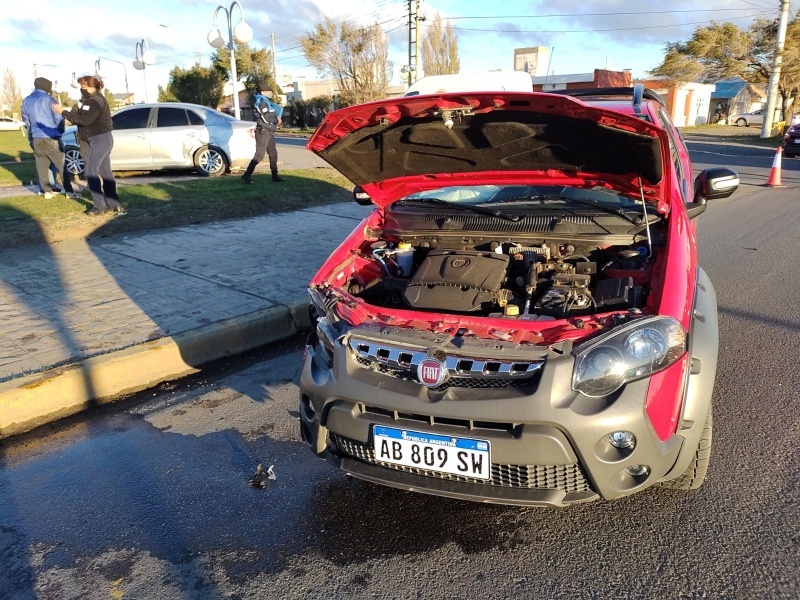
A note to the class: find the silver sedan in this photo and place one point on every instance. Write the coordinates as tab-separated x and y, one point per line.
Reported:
172	135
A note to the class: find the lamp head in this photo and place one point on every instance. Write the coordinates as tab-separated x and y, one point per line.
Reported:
215	39
242	33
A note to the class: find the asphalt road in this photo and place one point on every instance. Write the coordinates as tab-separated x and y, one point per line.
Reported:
151	499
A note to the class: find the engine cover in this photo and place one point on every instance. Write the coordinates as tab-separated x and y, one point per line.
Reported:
457	281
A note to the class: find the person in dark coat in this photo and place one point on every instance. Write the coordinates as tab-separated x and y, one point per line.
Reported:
269	117
93	118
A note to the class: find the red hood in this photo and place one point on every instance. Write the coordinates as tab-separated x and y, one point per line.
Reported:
396	147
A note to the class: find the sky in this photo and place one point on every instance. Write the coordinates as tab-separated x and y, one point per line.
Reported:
52	39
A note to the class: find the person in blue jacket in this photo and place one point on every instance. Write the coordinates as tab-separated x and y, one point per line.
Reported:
268	117
44	124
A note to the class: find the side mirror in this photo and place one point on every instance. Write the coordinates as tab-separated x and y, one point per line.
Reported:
715	183
361	197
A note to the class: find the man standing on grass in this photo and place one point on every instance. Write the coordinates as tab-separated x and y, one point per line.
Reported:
268	118
45	126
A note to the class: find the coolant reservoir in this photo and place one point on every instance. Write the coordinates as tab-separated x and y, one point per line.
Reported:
404	256
511	310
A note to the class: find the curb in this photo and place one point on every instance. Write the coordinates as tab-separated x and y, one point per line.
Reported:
34	400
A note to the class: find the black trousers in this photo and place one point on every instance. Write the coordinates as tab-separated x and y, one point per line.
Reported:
265	145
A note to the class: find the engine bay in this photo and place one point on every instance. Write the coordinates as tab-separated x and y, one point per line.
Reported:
541	279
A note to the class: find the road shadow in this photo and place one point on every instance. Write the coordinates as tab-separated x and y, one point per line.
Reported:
35	334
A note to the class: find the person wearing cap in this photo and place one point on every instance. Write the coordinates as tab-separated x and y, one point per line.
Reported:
268	117
92	115
44	124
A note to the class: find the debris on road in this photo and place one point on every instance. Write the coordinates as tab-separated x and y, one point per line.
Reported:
261	477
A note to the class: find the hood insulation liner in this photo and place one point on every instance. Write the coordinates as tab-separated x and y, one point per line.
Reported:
494	141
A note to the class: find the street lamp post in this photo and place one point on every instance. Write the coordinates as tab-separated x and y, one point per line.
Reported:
143	58
97	70
197	46
242	34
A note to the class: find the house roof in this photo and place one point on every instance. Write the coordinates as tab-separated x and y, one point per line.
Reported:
730	88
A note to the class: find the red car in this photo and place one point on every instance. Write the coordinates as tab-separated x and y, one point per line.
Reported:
522	319
791	142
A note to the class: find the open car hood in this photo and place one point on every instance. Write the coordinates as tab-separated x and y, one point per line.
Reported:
396	147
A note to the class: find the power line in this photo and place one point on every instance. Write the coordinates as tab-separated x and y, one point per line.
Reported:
593	30
603	14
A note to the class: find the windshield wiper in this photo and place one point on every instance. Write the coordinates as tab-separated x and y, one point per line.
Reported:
612	210
465	207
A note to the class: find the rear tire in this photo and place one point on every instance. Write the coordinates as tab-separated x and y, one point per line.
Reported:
210	162
694	476
74	161
741	123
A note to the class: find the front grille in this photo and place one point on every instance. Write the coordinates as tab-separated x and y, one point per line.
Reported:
462	371
459	382
566	478
468	425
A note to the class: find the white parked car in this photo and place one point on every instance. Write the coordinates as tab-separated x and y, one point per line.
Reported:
746	119
172	135
9	124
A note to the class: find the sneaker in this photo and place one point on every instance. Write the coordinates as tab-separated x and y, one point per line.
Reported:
247	179
276	178
95	212
56	189
119	211
49	195
73	195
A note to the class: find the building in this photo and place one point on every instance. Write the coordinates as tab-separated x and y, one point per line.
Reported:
599	78
121	100
688	103
532	60
735	95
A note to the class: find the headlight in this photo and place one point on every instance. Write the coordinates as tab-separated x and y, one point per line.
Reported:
633	351
326	336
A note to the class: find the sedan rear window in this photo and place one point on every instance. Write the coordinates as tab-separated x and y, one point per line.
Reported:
172	117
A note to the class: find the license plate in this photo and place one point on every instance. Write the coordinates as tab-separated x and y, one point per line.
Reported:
797	141
467	457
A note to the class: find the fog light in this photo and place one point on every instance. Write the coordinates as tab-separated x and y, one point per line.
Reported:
622	439
637	470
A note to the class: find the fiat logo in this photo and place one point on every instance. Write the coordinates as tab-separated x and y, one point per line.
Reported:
430	372
458	263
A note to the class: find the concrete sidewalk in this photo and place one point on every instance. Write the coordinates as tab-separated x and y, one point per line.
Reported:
84	322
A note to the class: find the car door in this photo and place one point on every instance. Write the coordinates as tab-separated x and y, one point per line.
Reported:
175	137
131	139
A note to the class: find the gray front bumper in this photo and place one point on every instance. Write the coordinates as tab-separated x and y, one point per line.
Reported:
545	425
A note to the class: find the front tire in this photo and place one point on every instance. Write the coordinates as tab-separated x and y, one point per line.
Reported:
695	475
210	162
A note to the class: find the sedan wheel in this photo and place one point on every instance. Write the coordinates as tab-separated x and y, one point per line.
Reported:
74	161
741	123
210	162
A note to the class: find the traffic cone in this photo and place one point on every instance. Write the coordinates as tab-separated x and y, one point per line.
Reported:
775	173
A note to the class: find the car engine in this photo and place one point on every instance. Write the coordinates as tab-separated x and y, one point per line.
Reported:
547	279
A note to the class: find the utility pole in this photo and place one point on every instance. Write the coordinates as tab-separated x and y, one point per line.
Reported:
775	75
274	72
413	40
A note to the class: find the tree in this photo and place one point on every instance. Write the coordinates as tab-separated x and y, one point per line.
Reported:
197	84
10	95
252	66
440	49
723	50
356	57
307	113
